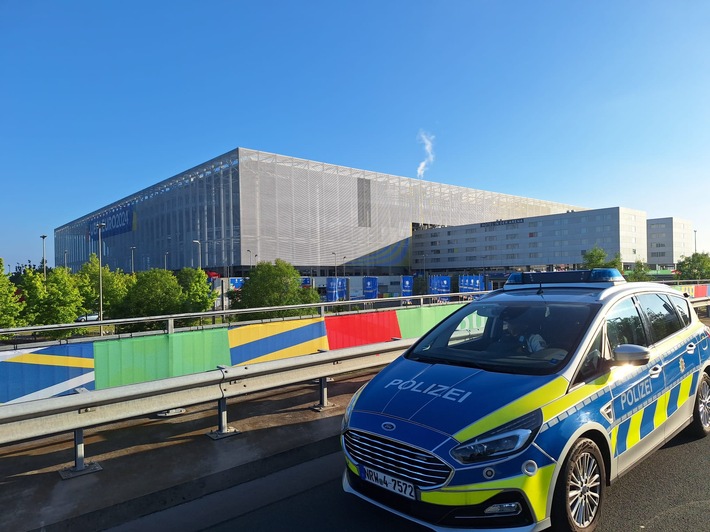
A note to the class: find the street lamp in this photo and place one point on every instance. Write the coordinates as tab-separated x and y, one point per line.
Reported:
65	258
249	251
344	257
335	265
100	226
165	266
44	260
133	248
696	240
199	253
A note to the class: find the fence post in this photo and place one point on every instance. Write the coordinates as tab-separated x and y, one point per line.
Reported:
80	468
323	386
224	430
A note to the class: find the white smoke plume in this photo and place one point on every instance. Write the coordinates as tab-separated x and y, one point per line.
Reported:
428	141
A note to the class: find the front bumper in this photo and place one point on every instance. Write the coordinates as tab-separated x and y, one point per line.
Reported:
446	518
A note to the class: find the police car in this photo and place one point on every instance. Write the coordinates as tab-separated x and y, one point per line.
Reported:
519	409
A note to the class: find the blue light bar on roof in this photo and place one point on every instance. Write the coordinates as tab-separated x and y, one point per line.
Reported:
596	275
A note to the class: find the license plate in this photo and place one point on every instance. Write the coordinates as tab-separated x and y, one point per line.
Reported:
406	489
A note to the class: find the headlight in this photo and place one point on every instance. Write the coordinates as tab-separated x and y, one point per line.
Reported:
502	441
349	409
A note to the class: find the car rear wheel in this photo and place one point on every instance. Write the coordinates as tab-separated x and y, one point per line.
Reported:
580	489
701	413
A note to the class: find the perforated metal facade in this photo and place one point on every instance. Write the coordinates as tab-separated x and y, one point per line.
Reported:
248	206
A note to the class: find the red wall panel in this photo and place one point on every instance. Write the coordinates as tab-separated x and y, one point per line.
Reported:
361	329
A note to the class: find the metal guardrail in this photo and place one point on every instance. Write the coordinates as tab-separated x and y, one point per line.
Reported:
45	417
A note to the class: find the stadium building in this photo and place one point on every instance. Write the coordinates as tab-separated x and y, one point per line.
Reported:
246	206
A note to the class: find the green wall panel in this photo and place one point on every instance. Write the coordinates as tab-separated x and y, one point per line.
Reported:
414	322
132	360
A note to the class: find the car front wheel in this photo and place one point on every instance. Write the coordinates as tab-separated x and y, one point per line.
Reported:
580	489
701	412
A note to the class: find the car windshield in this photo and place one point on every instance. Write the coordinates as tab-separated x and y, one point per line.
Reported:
531	337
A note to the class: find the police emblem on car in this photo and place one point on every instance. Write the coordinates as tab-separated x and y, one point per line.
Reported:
519	409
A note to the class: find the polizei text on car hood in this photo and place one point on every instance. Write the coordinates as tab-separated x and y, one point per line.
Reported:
443	397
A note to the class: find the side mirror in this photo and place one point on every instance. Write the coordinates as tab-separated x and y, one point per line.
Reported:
636	355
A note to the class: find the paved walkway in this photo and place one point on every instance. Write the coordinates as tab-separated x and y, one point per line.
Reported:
150	464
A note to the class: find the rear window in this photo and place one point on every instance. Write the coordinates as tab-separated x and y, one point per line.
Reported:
661	314
682	305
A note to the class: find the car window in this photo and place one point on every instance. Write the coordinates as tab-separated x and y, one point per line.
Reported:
681	304
592	364
661	315
624	326
528	337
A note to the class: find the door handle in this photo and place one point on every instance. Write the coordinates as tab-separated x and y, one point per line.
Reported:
690	348
655	371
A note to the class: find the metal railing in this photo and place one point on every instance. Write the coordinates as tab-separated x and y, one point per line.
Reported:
45	417
225	318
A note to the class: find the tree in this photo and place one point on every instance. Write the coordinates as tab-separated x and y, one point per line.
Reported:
56	300
697	266
155	292
114	286
639	272
597	258
274	285
10	302
62	303
34	292
199	296
420	286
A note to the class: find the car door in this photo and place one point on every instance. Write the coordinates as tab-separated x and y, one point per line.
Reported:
638	414
679	354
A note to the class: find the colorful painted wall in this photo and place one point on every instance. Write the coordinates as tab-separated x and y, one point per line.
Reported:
49	371
57	370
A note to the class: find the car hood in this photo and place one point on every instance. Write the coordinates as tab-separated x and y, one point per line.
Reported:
442	397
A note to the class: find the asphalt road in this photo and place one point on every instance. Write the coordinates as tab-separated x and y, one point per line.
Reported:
667	492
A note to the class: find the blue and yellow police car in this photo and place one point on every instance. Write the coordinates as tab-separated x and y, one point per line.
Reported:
519	409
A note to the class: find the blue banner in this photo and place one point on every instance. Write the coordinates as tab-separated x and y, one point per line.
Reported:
369	287
235	283
115	222
342	288
407	285
336	289
440	284
471	283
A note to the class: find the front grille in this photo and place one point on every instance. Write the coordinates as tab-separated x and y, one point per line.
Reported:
394	458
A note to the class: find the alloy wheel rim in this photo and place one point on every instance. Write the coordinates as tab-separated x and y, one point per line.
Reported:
584	490
704	403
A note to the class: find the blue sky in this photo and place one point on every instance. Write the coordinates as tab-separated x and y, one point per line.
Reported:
595	104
